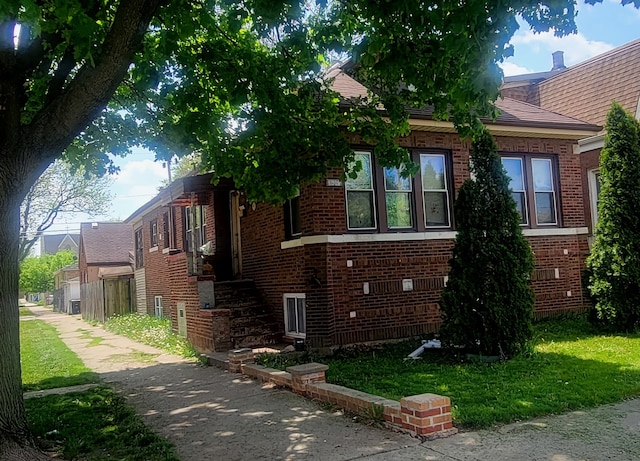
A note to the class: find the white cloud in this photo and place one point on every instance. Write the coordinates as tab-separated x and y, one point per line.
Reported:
576	47
511	68
135	184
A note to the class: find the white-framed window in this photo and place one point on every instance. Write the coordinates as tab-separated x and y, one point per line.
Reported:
398	195
157	302
154	232
514	167
544	191
360	195
382	199
195	224
435	189
534	185
295	318
593	179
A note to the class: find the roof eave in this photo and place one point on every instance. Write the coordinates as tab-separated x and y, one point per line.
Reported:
528	130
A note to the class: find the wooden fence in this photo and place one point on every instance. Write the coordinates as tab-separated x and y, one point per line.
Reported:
107	297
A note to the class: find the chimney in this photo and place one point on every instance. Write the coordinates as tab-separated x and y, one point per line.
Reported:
558	60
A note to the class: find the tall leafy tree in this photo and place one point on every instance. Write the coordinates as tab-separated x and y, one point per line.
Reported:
36	274
614	261
487	304
60	190
236	80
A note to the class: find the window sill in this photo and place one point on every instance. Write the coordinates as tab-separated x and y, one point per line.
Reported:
153	249
290	337
170	251
200	278
416	236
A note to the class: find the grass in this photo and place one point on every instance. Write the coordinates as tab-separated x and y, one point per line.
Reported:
152	331
89	426
136	356
572	367
86	334
24	311
46	361
94	425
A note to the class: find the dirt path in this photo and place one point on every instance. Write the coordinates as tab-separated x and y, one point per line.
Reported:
210	414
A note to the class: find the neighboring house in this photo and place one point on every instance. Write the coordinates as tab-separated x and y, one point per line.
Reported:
106	271
366	259
586	91
51	244
66	296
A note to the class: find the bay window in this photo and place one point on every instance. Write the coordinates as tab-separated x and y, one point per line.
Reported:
382	199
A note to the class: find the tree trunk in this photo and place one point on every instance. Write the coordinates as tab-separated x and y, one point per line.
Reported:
16	442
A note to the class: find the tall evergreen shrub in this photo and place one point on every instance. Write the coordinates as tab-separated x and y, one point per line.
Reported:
615	256
487	304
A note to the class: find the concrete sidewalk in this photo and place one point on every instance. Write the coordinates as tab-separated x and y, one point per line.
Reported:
210	414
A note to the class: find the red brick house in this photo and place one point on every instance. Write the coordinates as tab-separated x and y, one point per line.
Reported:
358	260
585	91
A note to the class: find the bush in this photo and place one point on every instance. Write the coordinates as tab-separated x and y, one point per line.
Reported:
615	256
487	304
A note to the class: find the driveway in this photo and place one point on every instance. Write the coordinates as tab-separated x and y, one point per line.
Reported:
210	414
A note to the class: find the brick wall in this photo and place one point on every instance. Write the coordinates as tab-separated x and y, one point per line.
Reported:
336	276
155	263
274	271
207	329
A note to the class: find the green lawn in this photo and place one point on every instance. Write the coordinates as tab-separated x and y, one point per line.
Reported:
24	310
94	425
572	367
46	361
90	426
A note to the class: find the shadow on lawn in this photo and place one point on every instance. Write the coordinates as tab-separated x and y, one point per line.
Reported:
62	381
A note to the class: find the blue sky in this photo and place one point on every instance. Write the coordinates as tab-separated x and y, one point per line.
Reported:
601	28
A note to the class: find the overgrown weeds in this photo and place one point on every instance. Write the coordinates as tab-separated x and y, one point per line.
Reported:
153	331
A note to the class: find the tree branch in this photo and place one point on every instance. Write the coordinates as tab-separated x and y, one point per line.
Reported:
55	126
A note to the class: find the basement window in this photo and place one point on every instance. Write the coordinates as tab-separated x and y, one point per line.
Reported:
158	306
295	317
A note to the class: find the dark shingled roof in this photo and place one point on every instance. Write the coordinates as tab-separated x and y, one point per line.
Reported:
106	243
50	244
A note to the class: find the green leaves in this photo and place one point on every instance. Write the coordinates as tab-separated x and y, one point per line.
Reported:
614	261
240	81
487	303
36	274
